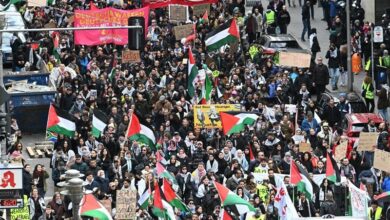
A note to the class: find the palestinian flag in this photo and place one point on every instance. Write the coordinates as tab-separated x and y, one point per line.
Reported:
56	45
229	198
235	122
60	122
206	90
99	122
224	34
192	74
161	208
160	158
301	179
139	132
91	207
190	37
332	170
112	74
162	172
172	198
251	155
224	215
143	201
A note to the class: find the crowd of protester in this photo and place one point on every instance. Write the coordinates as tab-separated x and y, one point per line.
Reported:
155	89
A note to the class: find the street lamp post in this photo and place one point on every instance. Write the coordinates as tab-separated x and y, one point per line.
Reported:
349	49
75	192
74	189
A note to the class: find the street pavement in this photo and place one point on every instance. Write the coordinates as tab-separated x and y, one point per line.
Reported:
295	28
30	140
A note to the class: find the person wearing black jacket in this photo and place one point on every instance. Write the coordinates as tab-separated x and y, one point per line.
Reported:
283	20
333	56
306	20
27	180
320	77
314	45
328	207
332	114
304	206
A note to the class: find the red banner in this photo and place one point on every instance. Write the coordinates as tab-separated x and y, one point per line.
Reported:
164	3
103	18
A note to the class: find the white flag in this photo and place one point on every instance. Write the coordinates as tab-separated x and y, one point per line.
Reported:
358	201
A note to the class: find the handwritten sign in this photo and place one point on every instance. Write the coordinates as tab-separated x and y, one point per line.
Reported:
199	10
381	159
126	204
304	147
36	3
178	13
367	140
341	151
131	56
21	213
289	108
291	59
183	31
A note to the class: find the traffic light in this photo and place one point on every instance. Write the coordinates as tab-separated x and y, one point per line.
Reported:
136	37
3	126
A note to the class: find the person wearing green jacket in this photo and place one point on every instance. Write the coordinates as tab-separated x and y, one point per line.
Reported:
368	93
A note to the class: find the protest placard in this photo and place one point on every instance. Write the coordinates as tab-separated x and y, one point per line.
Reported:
304	147
291	59
126	204
381	159
341	151
367	140
131	56
199	10
207	116
289	108
183	31
178	13
36	3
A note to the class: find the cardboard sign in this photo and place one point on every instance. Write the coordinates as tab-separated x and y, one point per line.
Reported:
36	3
183	31
341	151
199	10
381	160
367	140
178	13
304	147
291	59
126	204
131	56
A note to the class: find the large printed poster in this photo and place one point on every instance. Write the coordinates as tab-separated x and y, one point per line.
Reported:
207	116
105	17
